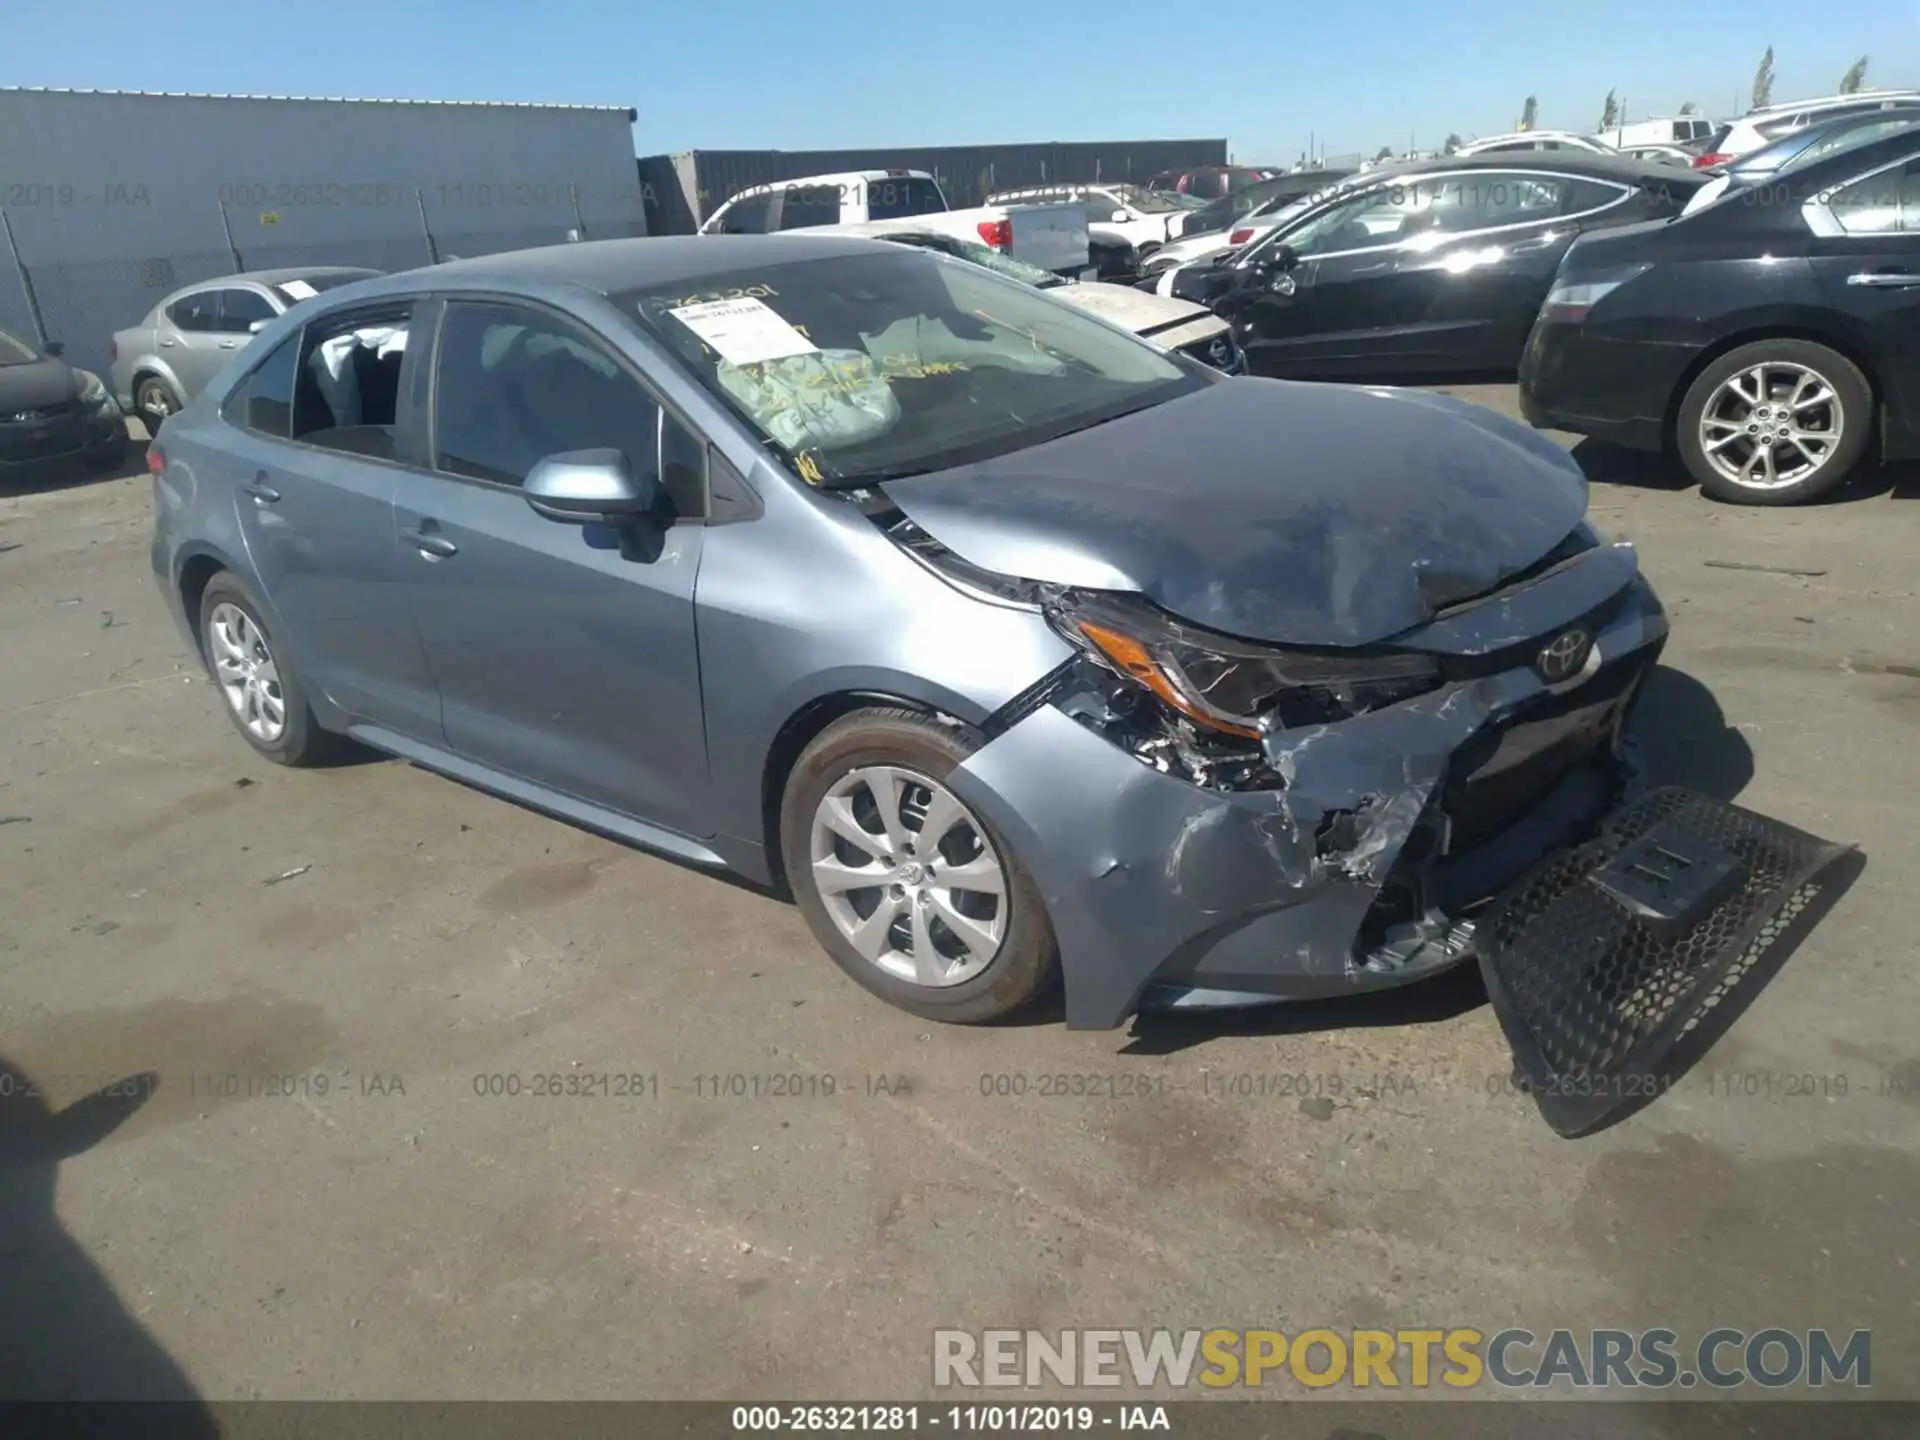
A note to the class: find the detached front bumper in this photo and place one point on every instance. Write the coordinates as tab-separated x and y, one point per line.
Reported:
85	434
1386	831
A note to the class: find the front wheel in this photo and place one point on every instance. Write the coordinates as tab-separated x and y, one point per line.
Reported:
910	891
1777	422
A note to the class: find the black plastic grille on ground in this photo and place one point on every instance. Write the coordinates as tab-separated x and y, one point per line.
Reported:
1593	998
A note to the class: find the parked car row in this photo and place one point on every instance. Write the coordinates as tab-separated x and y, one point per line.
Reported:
1758	323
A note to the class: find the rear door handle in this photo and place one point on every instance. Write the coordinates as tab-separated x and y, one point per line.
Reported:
434	546
228	344
258	488
168	344
1885	279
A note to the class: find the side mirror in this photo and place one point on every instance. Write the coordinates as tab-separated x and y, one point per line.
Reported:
1278	260
56	348
257	326
1119	217
586	487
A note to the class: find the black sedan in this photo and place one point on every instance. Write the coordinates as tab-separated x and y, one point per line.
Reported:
51	413
1768	338
1429	268
1267	195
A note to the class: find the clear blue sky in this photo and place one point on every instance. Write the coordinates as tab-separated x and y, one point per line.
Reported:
720	74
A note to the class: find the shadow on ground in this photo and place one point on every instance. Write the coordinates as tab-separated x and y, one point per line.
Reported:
64	1334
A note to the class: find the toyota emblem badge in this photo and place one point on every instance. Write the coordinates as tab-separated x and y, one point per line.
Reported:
1564	656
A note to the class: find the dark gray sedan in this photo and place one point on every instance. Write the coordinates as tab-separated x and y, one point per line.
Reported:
1017	647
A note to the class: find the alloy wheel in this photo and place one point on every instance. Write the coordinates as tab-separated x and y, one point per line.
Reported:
908	876
1771	425
246	673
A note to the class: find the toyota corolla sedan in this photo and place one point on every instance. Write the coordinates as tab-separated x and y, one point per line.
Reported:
1019	649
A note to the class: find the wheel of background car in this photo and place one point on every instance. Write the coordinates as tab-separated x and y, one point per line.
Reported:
1776	422
912	893
262	696
155	400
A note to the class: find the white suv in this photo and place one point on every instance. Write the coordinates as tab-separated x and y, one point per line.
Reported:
1762	127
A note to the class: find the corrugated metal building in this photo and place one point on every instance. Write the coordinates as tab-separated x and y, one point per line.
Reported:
114	198
683	189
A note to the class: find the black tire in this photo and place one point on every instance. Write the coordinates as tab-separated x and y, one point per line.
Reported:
1853	403
301	741
1025	966
148	392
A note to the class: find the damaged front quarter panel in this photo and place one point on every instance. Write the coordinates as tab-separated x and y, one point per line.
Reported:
1261	886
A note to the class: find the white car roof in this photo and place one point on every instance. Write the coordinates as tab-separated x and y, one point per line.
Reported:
1823	102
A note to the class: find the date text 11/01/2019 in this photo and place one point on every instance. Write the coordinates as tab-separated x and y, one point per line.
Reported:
1031	1419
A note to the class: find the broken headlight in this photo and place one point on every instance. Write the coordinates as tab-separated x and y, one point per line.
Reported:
1230	686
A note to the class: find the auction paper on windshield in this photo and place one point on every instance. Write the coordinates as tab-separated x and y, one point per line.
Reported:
743	331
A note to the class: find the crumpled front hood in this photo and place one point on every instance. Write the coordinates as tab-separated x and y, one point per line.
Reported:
1303	514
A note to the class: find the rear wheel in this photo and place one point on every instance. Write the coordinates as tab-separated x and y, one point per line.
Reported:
910	891
154	399
1777	422
263	696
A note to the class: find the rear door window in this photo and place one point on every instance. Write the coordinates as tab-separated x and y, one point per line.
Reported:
346	390
198	313
899	197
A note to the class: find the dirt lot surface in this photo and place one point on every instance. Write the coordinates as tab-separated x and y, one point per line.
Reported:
174	907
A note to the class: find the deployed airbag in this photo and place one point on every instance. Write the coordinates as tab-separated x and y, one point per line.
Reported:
822	400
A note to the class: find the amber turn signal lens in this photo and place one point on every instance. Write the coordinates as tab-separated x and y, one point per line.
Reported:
1133	658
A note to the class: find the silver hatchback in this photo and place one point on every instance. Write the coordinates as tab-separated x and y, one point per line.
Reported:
167	359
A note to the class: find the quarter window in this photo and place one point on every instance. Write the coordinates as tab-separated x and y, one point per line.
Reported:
515	386
1884	203
263	402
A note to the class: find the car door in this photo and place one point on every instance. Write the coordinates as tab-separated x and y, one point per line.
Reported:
190	340
320	430
1866	251
1340	309
565	656
1472	290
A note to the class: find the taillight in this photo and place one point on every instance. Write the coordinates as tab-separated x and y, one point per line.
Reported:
1709	160
997	233
156	460
1240	237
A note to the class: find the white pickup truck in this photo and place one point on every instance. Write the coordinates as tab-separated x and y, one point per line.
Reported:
1053	237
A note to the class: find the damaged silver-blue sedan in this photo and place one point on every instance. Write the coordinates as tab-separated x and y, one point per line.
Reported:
1022	651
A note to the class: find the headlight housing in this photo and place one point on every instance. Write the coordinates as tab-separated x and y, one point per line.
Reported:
1570	300
88	388
1232	687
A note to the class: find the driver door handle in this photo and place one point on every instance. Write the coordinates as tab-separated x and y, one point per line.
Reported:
258	488
228	344
430	543
1885	279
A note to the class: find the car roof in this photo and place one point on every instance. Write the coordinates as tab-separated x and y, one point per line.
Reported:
1843	165
1821	102
1586	163
608	267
